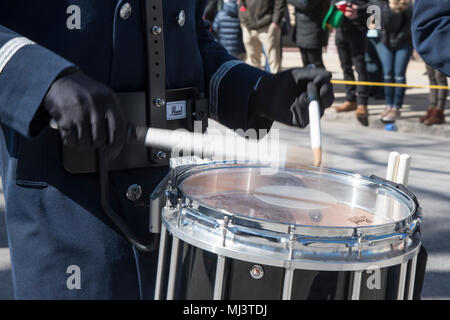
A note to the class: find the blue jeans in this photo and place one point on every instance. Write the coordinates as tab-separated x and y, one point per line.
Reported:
394	64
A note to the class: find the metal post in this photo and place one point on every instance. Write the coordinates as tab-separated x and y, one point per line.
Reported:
287	285
161	262
218	284
412	277
402	281
173	268
356	289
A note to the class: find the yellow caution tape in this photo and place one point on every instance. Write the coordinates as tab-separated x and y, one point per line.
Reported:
383	84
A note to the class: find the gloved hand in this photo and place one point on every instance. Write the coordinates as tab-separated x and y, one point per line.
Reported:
87	113
283	96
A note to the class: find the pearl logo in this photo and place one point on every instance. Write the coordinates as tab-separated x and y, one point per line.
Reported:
176	110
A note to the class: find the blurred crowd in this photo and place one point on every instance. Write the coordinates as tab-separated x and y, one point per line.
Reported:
378	51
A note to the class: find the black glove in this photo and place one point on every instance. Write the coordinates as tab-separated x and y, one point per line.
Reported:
283	96
87	113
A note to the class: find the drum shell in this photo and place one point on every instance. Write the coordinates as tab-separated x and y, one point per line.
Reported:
196	273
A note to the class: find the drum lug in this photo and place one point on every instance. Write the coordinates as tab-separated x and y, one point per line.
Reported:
224	227
172	197
291	231
360	240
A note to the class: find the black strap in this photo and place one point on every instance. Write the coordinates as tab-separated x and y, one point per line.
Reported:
116	219
156	112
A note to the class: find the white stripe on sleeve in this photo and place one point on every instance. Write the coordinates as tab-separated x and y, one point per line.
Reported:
10	48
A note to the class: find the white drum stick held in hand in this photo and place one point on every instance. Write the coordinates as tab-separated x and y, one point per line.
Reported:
314	124
216	146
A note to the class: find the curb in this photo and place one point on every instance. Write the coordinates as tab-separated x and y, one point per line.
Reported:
401	124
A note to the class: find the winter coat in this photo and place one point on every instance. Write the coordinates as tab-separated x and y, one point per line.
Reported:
227	28
432	32
211	8
256	14
395	30
359	23
309	15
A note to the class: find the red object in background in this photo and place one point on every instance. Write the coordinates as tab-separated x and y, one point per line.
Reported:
341	5
243	9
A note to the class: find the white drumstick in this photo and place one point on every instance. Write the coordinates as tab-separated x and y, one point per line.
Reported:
391	173
403	169
383	204
218	146
314	124
225	147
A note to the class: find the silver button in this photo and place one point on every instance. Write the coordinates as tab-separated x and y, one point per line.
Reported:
159	102
125	11
134	192
156	30
181	18
161	155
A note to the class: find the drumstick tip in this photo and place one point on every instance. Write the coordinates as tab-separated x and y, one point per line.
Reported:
317	153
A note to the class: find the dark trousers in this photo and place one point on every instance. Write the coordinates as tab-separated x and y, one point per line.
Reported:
374	68
351	46
437	78
312	56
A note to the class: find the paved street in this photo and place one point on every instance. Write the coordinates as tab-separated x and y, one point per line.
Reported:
350	147
366	150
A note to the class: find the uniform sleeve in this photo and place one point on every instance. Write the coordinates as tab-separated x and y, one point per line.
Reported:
431	32
230	81
27	71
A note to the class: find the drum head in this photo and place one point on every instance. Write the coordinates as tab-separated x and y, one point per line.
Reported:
304	196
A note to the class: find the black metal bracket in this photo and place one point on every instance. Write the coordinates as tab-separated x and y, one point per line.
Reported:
156	74
117	220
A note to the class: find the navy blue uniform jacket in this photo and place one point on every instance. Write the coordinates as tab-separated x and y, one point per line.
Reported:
54	219
431	32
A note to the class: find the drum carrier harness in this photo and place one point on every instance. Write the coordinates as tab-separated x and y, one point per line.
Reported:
155	108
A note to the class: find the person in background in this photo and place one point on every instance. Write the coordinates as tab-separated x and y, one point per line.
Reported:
373	63
211	9
309	35
431	33
260	20
438	98
351	46
227	29
394	50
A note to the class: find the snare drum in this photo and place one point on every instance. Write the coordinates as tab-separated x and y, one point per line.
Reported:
241	231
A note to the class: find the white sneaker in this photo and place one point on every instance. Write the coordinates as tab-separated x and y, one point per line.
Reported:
391	116
385	112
